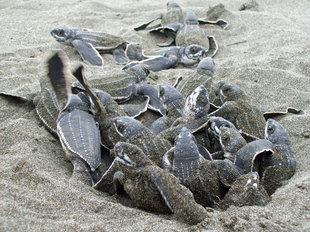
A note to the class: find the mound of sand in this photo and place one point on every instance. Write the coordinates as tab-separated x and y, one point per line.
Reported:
266	51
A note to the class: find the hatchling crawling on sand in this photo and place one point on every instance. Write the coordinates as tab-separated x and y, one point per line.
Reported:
152	188
76	127
173	56
183	29
89	44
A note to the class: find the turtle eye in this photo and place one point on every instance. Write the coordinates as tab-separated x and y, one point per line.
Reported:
193	50
270	129
61	33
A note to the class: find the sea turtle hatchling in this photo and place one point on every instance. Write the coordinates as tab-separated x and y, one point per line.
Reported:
194	115
203	75
237	109
205	178
152	188
192	33
246	190
282	164
173	102
127	86
173	56
76	127
88	43
127	129
175	20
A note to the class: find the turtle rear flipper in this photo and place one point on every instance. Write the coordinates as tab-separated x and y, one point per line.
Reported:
88	52
220	22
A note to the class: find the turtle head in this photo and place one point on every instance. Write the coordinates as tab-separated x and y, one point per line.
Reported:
62	34
216	123
197	104
169	96
230	92
206	65
275	133
194	52
130	158
231	140
191	18
128	128
172	4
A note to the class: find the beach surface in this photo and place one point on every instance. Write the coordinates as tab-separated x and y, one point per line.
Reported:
265	50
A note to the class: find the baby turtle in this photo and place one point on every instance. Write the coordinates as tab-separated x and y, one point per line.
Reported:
192	33
173	16
76	127
127	129
282	164
88	43
173	22
152	188
194	117
246	190
127	86
173	56
237	109
184	158
173	102
202	76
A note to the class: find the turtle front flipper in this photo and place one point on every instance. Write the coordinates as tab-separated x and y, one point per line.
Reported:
88	52
213	47
22	99
143	26
134	110
220	22
177	197
59	75
160	63
288	110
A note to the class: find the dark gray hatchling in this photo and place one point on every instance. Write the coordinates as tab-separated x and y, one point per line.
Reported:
203	75
152	188
237	109
207	179
173	102
76	127
282	164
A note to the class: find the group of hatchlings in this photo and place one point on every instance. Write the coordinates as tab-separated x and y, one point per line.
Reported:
209	148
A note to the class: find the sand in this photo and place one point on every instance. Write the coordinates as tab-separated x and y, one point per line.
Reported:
266	51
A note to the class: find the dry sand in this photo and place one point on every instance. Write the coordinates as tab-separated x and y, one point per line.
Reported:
271	64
